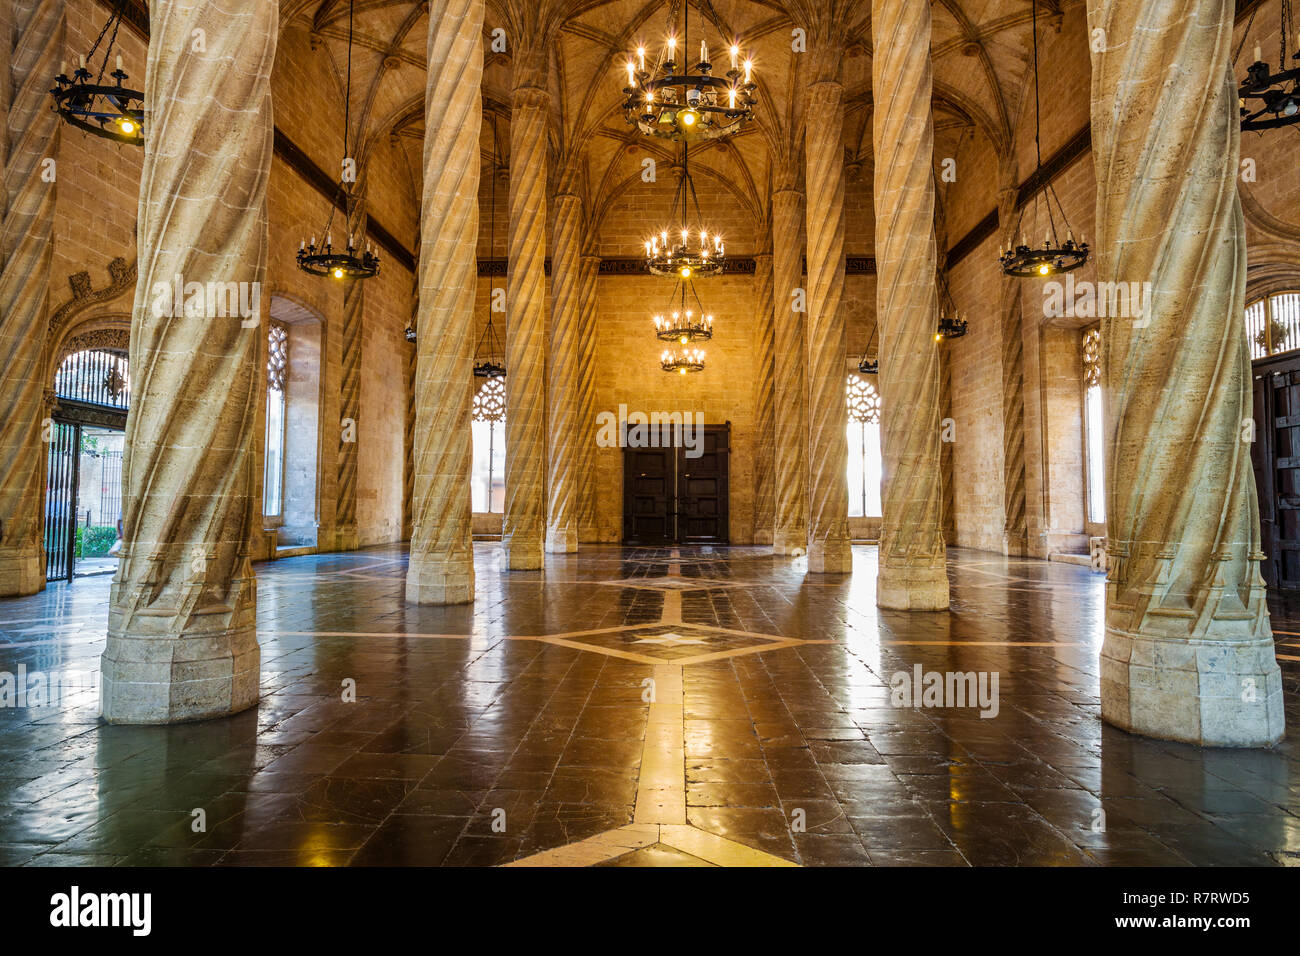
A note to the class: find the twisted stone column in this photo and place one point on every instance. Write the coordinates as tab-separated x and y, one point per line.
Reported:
442	543
566	420
525	329
764	402
590	270
354	299
1188	653
1015	535
912	572
791	534
408	425
828	491
182	630
32	43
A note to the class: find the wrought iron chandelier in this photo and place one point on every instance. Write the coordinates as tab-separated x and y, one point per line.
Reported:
489	356
950	328
679	250
1053	257
108	110
1277	94
683	325
870	366
687	360
358	259
693	103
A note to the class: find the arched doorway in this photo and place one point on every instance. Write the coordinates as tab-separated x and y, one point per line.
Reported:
85	438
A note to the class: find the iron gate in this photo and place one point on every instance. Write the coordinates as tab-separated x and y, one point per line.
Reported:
61	501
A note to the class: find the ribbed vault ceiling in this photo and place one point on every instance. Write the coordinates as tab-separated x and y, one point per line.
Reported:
981	51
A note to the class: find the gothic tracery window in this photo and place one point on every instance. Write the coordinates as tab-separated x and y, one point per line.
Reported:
277	367
1094	427
864	447
489	435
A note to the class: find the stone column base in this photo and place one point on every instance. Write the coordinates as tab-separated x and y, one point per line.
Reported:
22	572
830	556
149	677
764	537
561	540
793	543
912	589
346	539
522	553
431	579
1213	693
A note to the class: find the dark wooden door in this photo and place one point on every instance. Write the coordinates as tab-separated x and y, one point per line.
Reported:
1276	459
649	495
669	498
702	490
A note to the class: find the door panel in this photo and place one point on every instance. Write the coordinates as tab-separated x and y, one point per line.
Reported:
648	495
703	504
671	499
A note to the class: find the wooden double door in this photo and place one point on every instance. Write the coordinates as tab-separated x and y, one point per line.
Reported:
669	498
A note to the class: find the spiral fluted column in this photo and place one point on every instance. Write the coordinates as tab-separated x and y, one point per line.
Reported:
566	420
442	545
764	402
182	632
354	299
828	450
791	533
912	572
526	322
1188	653
1015	535
590	270
32	43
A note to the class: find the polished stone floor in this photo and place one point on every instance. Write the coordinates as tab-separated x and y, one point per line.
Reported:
633	707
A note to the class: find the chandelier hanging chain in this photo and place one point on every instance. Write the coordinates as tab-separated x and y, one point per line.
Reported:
115	21
491	365
1054	256
354	261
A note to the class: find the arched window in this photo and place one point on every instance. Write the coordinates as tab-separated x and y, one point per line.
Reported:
1273	324
277	367
95	377
1094	427
864	448
488	479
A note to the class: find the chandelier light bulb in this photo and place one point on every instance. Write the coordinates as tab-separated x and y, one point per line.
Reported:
126	126
686	272
338	273
1044	269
